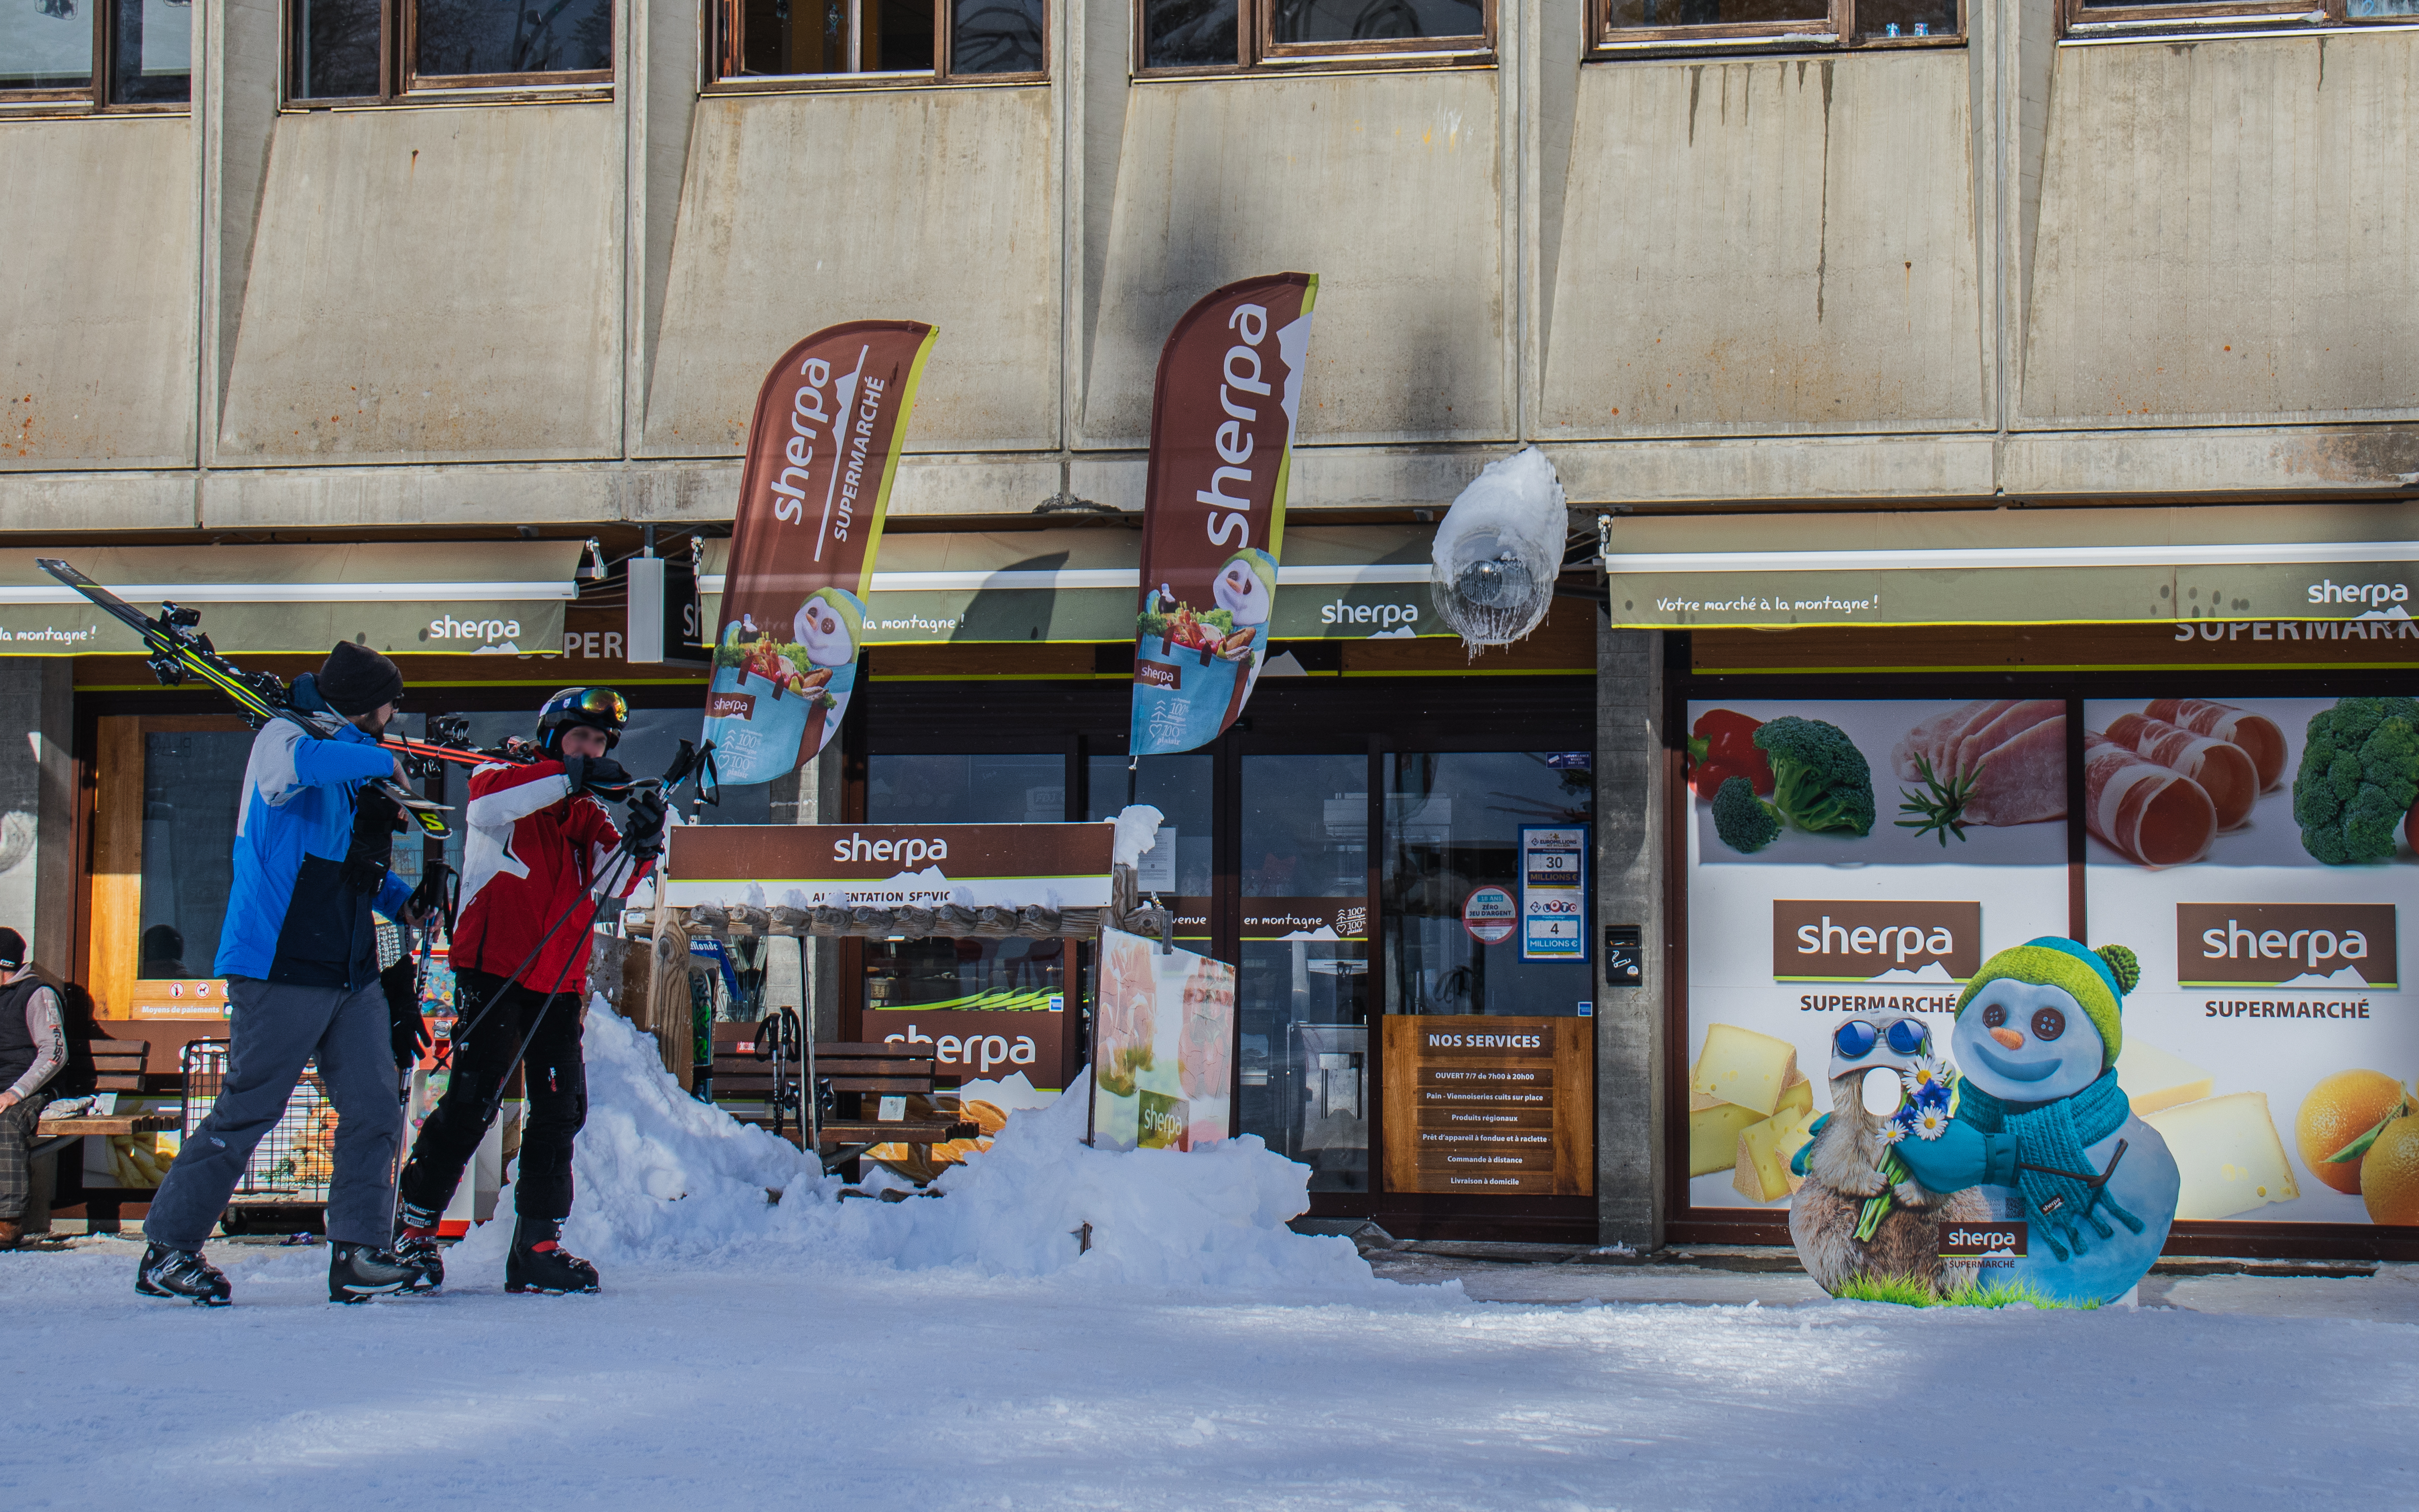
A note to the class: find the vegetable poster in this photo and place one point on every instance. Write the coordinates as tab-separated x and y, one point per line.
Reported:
1222	427
1851	864
822	451
1860	872
1162	1038
2258	855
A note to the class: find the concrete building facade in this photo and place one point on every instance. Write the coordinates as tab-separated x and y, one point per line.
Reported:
2045	255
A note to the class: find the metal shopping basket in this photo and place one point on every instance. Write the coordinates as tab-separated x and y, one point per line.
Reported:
291	1164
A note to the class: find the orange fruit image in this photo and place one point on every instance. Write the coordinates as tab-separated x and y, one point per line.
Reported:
2389	1176
2338	1111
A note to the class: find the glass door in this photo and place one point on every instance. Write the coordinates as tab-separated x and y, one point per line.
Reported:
1302	1004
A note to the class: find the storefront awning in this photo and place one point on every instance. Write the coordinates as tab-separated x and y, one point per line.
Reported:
2014	566
451	597
1079	585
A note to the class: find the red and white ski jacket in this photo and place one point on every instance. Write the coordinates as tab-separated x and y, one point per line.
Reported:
534	852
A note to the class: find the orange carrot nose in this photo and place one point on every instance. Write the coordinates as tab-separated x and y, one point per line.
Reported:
2009	1038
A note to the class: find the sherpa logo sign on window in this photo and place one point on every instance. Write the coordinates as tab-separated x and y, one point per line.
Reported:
2349	946
1840	939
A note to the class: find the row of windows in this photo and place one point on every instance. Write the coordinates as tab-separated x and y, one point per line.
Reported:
138	52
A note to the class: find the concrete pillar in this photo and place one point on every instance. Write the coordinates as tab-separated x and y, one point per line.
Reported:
1629	858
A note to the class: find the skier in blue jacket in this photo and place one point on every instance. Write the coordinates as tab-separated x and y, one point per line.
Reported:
300	953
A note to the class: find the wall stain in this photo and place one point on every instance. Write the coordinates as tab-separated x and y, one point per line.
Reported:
1823	230
1696	85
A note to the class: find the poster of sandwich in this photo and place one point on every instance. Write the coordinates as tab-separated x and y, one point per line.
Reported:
1162	1035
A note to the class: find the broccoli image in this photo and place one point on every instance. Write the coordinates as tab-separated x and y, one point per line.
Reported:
1744	820
1821	782
2359	773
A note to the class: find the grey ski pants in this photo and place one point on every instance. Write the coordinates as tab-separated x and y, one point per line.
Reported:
273	1029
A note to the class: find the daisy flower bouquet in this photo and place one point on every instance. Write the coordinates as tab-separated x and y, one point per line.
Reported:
1927	1103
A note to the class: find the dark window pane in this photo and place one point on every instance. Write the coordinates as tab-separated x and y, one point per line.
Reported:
45	44
154	56
1374	21
898	36
336	49
458	37
995	36
1453	826
783	36
191	783
1188	34
1906	18
1010	789
1812	15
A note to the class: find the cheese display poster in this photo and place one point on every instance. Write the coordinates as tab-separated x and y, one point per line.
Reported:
1163	1034
1849	860
2257	856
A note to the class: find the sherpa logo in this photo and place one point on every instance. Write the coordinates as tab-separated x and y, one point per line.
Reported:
1387	615
2375	596
2286	945
485	632
2002	1239
1841	939
905	852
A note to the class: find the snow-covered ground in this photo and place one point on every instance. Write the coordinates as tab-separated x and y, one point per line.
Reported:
820	1356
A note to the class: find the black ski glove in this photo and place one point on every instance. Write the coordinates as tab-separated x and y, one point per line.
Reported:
644	836
600	774
400	983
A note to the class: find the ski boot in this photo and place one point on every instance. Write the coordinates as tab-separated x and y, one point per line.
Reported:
539	1262
357	1273
181	1273
415	1244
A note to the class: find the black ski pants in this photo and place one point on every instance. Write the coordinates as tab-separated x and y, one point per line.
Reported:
558	1096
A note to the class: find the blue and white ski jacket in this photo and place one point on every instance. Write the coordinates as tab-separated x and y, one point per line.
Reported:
290	917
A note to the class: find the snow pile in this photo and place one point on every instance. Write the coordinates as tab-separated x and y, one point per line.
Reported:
1211	1217
1138	831
661	1176
666	1179
1499	549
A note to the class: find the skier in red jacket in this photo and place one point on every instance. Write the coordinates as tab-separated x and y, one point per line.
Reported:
539	845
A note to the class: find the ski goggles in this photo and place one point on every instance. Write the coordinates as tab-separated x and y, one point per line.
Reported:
598	702
1856	1039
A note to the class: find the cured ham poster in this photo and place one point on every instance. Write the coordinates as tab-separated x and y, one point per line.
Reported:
1832	887
2272	1028
1161	1063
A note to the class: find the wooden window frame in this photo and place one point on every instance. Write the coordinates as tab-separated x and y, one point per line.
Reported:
1256	54
1839	35
725	38
2180	19
400	83
95	97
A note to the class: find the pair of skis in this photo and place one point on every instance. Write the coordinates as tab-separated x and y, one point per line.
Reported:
179	652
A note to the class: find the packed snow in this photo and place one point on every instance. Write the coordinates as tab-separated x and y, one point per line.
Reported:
961	1351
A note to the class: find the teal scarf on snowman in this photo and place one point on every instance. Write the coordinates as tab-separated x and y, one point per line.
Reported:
2055	1134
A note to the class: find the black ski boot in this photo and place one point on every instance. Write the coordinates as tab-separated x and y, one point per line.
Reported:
181	1273
415	1244
539	1263
357	1273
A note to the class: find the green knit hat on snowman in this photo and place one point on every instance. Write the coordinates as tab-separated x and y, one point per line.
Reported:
2098	980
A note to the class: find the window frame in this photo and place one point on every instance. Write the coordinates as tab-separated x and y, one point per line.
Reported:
97	96
1256	53
1605	41
2179	18
725	36
401	85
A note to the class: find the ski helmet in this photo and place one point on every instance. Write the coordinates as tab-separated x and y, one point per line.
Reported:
598	709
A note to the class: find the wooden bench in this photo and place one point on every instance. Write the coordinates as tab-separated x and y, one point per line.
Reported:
117	1067
859	1076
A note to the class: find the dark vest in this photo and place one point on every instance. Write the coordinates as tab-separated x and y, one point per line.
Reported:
18	1051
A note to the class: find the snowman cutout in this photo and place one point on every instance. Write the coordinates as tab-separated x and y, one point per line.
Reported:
2043	1130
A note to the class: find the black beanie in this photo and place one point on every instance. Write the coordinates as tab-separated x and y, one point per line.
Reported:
356	680
12	949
